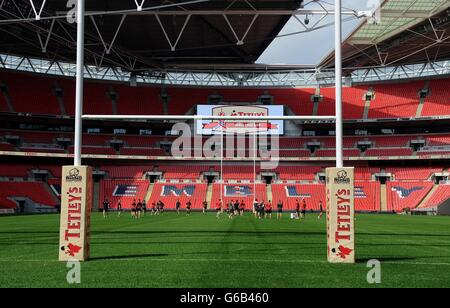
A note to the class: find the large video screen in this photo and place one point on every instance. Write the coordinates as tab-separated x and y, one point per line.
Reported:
208	127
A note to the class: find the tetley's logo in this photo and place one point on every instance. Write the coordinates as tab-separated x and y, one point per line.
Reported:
74	175
342	178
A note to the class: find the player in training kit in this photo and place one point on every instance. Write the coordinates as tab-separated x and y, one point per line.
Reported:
297	209
236	207
230	209
139	208
218	208
303	208
119	208
188	208
280	209
205	207
153	208
269	210
242	208
133	209
105	208
261	211
144	207
320	209
256	208
177	206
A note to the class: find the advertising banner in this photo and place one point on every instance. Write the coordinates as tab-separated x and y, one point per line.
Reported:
76	204
207	127
340	215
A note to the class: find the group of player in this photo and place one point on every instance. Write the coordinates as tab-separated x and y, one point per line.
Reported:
138	209
261	209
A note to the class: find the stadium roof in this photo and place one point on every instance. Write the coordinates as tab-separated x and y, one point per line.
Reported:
162	34
403	32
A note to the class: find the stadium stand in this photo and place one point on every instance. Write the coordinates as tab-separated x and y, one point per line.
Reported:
307	173
239	191
367	196
440	195
38	98
125	190
402	195
170	193
416	173
379	152
437	103
35	191
125	172
290	193
396	100
14	170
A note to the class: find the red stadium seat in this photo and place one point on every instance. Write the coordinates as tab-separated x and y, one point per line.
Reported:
401	195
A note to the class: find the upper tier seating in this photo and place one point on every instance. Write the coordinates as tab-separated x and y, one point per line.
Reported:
122	190
401	195
396	100
31	94
438	102
170	193
392	100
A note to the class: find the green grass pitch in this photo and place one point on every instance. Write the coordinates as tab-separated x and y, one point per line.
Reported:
201	251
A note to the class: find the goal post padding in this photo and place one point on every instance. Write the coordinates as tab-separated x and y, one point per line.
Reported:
76	205
340	215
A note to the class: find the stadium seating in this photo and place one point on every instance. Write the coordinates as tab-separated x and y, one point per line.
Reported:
7	147
415	173
183	172
125	190
440	195
401	195
367	196
170	193
380	152
38	98
142	152
298	173
241	192
365	173
125	172
290	193
332	153
392	100
396	100
35	191
14	170
438	102
6	203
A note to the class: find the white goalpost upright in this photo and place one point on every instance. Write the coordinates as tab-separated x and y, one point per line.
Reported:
76	199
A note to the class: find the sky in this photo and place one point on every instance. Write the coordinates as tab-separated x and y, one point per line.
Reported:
310	47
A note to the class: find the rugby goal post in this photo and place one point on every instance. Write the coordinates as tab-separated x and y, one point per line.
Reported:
76	188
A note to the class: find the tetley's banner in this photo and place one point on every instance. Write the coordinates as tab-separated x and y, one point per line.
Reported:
207	127
76	203
340	215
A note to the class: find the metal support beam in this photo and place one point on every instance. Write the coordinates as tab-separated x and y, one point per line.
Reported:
200	118
79	84
338	76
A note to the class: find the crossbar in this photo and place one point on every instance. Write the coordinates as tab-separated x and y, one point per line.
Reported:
200	118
